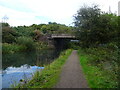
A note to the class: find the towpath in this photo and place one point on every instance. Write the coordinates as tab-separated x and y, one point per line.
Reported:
72	75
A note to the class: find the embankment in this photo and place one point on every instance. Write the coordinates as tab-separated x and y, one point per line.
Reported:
49	76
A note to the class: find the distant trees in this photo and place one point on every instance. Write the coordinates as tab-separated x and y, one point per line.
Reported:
54	28
28	38
23	30
95	27
8	35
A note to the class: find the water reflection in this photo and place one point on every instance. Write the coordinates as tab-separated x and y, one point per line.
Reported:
22	65
31	58
13	75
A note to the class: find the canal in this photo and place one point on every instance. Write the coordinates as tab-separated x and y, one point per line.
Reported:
19	66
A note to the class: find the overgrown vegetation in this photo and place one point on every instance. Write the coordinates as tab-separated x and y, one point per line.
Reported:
96	28
49	76
98	33
98	37
12	48
28	38
99	67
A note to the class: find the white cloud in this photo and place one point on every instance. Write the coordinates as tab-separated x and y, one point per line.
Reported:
27	12
16	17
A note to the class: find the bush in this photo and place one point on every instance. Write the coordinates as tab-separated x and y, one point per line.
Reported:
11	48
8	35
27	42
74	45
97	62
41	45
106	53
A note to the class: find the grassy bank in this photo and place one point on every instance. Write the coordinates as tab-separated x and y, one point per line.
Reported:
49	76
99	70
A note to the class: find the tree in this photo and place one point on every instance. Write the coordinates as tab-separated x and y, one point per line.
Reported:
8	35
54	28
94	27
85	23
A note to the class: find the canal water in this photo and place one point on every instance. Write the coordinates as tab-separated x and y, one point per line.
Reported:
21	66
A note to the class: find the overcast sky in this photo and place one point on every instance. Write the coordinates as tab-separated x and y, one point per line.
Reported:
28	12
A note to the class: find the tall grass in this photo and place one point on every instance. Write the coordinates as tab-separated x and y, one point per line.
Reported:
49	76
100	72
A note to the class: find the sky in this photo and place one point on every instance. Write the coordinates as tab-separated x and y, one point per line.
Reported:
28	12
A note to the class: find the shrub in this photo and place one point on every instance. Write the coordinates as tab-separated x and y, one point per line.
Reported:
8	35
11	48
98	63
27	42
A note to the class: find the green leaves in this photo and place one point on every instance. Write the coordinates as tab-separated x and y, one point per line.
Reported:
54	28
99	74
27	42
94	27
8	35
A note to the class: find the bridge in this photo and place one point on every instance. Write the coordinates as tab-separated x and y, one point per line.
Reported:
62	36
61	40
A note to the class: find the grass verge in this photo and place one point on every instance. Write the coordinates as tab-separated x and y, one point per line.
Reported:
96	77
49	76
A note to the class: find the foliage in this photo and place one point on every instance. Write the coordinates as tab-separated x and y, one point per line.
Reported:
5	25
41	45
11	48
23	30
48	77
105	73
104	53
50	28
37	27
8	35
54	28
95	27
98	33
27	42
37	34
34	35
73	45
118	30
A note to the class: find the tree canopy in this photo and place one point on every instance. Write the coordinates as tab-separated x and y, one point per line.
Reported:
95	27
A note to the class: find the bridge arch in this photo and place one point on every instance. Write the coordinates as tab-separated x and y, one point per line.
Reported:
60	41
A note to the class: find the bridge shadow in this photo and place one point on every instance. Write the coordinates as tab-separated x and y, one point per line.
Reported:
61	44
61	41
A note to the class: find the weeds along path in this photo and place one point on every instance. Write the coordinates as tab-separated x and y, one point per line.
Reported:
72	75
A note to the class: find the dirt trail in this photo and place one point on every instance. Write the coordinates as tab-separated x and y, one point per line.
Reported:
72	75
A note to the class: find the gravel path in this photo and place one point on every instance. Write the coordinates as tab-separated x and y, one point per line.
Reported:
72	75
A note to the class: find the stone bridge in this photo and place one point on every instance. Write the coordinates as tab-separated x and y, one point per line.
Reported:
62	36
60	41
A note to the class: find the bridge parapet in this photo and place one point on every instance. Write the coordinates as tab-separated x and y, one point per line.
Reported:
62	36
